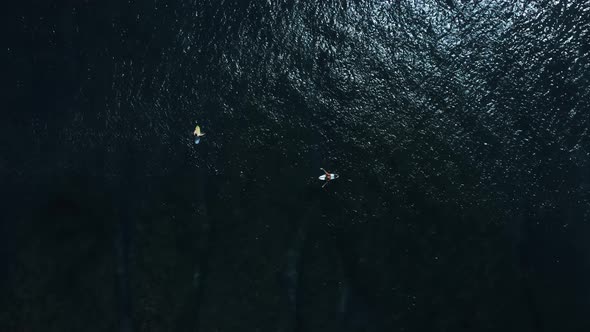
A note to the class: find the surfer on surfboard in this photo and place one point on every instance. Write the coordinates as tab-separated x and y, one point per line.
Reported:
327	177
198	134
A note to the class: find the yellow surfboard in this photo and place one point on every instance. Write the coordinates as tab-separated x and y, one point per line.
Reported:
198	134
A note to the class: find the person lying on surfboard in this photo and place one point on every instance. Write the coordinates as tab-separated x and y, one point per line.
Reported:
327	177
198	134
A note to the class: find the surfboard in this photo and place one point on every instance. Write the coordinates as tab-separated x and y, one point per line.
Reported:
323	177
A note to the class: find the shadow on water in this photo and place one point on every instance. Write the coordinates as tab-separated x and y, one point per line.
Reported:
357	309
352	304
553	265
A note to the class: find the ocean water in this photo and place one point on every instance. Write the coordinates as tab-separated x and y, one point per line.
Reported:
459	131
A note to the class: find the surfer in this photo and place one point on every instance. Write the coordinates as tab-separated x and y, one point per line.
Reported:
198	134
327	177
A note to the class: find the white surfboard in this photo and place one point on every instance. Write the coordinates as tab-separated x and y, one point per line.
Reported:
333	176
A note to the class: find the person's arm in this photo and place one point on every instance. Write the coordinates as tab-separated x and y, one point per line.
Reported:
327	174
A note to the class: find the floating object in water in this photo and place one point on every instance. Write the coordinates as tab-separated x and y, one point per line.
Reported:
198	134
327	177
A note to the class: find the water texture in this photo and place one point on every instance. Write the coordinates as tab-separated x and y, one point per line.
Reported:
459	131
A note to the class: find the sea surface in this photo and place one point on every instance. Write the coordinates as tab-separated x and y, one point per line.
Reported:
459	129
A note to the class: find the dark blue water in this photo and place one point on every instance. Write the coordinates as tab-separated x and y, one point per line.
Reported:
460	133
